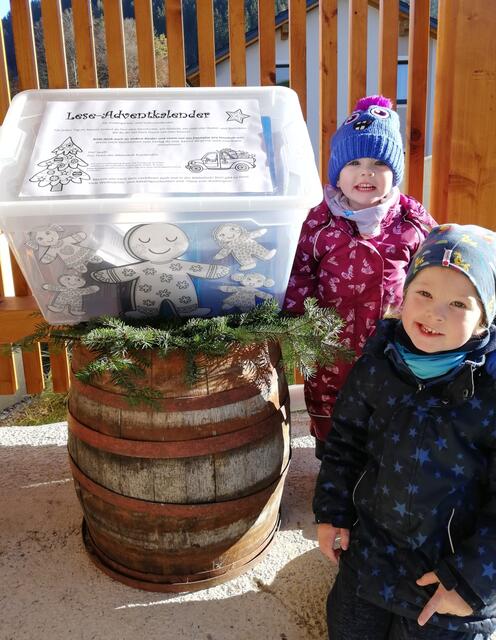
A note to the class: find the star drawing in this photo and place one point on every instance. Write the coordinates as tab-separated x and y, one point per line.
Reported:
236	116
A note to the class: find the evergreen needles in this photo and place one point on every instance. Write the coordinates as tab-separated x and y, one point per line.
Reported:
122	347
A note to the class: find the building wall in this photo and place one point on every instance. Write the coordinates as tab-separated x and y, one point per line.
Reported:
282	57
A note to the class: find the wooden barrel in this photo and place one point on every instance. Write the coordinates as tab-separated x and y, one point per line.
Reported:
186	494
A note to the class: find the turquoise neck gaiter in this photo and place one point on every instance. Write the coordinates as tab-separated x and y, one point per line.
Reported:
427	365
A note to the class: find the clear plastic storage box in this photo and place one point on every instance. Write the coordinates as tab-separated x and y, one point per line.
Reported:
143	202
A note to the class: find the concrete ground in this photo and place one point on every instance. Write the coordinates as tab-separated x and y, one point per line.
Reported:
50	590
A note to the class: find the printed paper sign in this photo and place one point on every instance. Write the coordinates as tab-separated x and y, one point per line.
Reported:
125	147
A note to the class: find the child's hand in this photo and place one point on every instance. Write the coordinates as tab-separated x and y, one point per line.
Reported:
327	535
443	601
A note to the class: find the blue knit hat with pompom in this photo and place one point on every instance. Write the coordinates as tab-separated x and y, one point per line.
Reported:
372	130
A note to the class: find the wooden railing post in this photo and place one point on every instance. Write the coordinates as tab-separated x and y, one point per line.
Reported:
206	43
84	41
388	48
22	26
51	12
267	41
328	55
116	49
418	59
298	51
175	43
357	51
237	42
463	188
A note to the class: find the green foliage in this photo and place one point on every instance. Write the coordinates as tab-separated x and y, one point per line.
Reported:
122	348
43	408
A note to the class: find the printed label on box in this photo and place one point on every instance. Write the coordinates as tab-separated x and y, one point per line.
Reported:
124	147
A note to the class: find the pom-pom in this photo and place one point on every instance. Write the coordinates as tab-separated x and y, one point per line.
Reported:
369	101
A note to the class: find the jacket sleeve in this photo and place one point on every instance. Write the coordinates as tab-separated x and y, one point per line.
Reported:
345	453
303	279
471	570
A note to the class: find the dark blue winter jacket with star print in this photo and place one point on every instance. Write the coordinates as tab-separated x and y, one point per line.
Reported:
410	469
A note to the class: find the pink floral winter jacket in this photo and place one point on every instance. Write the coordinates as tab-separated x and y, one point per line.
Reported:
359	277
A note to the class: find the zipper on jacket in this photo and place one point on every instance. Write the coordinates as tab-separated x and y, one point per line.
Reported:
449	531
356	485
375	250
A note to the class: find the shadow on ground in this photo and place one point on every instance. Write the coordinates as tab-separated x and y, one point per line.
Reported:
51	589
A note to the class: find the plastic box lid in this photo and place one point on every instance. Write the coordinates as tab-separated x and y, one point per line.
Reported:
295	183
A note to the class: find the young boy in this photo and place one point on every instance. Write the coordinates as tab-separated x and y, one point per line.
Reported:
407	485
355	247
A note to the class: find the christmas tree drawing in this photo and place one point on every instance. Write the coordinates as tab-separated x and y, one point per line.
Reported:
62	168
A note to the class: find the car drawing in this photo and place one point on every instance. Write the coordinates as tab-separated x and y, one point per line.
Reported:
223	159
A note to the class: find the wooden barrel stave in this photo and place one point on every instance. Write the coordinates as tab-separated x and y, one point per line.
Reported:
195	543
223	475
171	423
211	410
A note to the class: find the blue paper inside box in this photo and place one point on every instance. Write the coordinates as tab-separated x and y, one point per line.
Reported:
146	202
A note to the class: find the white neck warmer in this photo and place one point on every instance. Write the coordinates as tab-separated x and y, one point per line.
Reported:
367	220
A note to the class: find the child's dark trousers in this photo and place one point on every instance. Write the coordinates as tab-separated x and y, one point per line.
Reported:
352	618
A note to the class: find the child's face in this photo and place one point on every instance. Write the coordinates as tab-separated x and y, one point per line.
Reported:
441	310
365	182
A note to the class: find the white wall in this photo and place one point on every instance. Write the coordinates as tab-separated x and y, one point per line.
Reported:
282	57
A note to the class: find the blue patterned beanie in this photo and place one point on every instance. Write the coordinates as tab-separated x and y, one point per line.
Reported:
467	248
372	130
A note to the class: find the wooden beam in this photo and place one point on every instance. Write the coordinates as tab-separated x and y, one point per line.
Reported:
4	79
175	43
59	368
267	41
328	45
388	48
21	286
20	315
357	51
53	40
33	369
8	375
463	187
114	38
22	27
298	51
237	42
84	41
145	43
443	112
206	42
418	69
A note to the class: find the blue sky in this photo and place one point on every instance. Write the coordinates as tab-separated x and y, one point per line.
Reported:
4	7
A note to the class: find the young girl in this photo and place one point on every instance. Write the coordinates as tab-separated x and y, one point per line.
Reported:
355	247
407	485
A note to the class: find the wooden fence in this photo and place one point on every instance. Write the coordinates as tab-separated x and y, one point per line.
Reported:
16	318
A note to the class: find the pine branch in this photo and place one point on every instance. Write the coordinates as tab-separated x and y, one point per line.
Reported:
122	348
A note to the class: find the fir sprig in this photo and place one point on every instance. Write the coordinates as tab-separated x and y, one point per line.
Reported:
121	348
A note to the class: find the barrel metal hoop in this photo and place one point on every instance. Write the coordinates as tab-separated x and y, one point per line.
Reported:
121	401
176	449
175	584
236	507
